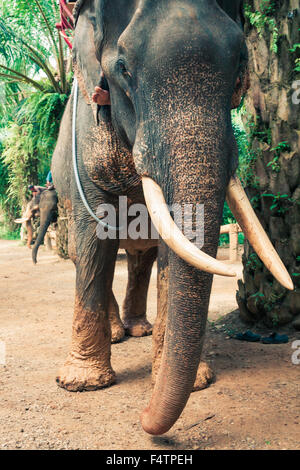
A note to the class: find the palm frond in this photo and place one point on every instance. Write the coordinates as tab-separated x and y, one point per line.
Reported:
15	76
31	106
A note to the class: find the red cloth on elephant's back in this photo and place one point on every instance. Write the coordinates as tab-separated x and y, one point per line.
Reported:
66	20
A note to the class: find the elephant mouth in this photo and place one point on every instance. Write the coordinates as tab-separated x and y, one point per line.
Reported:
243	212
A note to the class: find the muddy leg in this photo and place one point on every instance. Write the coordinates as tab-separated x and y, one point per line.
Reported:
117	328
204	374
134	307
88	364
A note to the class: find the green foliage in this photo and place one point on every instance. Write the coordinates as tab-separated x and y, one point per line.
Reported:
34	89
3	173
228	218
274	299
281	203
255	201
41	114
7	234
251	132
295	47
275	164
21	161
9	209
254	262
262	19
244	172
296	50
258	134
29	144
257	129
28	40
246	156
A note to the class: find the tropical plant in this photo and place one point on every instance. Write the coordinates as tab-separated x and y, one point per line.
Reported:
30	46
243	171
275	187
34	88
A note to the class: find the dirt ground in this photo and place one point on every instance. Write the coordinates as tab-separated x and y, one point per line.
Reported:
253	404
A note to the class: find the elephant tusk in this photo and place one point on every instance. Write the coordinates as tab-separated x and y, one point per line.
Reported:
253	230
22	220
173	237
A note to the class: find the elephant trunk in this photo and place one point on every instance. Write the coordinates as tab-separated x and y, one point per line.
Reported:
46	219
189	292
188	286
199	185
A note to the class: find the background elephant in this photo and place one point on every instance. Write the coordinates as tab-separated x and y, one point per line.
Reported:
43	205
172	69
31	211
47	208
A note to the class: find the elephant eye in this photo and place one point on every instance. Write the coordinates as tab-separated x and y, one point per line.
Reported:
122	68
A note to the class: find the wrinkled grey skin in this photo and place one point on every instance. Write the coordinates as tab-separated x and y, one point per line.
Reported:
171	67
48	214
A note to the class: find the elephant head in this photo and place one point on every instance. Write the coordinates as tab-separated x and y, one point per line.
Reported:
172	68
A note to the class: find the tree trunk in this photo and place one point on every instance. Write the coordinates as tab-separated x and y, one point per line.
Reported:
273	182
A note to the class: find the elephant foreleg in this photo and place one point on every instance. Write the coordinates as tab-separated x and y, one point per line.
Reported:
134	307
29	232
88	364
204	374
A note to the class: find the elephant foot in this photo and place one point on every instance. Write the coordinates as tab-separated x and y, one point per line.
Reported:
137	327
117	332
204	377
78	375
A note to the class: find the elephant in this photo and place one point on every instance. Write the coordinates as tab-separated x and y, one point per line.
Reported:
174	69
31	211
48	214
43	204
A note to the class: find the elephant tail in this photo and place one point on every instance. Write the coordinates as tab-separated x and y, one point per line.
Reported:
40	238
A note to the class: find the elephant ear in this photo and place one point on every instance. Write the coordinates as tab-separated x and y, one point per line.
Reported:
234	9
88	32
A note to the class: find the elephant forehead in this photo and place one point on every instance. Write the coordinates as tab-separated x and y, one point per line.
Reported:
180	28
